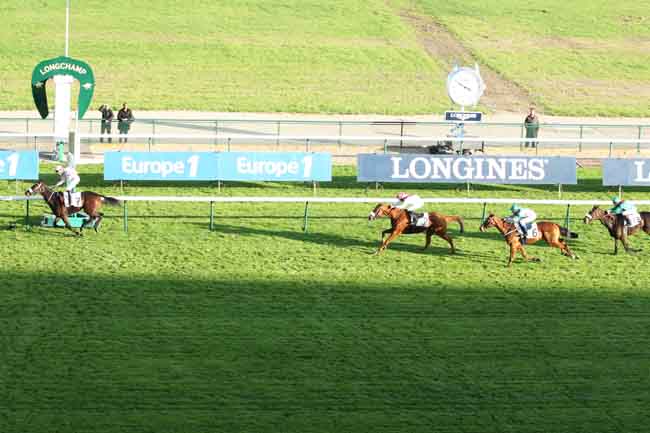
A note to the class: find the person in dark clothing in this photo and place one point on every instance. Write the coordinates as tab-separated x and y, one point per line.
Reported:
124	119
531	122
107	118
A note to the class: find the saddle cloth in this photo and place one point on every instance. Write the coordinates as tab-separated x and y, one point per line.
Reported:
633	220
532	231
422	220
76	199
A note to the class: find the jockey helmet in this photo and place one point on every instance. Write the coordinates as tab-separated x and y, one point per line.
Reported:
402	196
515	208
58	169
616	199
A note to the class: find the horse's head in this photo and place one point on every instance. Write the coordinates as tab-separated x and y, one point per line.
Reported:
490	221
596	213
38	187
379	211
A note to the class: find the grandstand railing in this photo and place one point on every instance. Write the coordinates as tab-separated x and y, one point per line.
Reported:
340	128
379	140
212	200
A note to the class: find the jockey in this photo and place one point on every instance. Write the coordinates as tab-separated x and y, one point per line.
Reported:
409	202
625	208
70	177
523	218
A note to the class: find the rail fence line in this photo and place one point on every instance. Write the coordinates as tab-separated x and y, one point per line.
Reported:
315	140
307	200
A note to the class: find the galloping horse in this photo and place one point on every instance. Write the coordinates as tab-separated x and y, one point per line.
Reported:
90	203
546	230
400	224
616	226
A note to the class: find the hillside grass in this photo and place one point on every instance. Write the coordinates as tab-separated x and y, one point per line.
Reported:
297	56
258	326
580	58
577	58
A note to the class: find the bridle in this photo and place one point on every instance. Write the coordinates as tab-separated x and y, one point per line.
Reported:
491	222
39	189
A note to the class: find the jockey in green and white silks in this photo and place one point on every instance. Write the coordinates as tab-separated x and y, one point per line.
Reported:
409	202
627	209
523	218
70	177
67	175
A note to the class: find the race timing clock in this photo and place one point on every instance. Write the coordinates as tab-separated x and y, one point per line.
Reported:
465	86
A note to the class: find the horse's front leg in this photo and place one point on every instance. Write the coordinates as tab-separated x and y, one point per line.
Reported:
513	253
384	233
526	256
388	240
615	246
64	217
626	245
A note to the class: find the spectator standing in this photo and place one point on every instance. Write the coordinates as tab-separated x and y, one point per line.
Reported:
124	120
107	118
531	122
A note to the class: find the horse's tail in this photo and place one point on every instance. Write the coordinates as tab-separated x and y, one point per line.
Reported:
111	201
456	218
566	233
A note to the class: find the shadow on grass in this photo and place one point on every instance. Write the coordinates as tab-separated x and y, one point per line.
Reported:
287	353
342	241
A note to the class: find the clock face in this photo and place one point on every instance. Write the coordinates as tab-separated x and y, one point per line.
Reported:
465	86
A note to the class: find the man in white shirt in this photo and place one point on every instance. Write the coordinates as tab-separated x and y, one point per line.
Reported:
409	202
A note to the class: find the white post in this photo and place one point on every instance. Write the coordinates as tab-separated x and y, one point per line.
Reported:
67	26
62	90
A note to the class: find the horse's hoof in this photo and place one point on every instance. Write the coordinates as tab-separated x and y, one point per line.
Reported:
535	259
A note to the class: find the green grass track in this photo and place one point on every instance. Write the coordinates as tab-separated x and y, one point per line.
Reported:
260	327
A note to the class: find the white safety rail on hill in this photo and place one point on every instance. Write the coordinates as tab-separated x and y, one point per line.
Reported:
307	200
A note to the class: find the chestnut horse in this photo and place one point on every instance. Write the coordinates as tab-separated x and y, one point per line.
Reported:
90	203
401	224
546	230
616	226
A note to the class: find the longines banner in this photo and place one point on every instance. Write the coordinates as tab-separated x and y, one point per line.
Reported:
626	172
474	169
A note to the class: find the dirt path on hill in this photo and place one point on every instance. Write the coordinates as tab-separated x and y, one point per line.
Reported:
441	44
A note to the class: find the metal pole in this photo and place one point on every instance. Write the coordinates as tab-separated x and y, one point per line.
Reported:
307	145
559	190
385	147
216	132
401	132
304	227
483	213
340	133
27	213
277	140
567	221
620	191
639	135
581	135
126	216
228	145
611	146
67	26
211	216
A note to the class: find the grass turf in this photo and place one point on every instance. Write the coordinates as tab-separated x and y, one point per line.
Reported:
260	327
576	58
